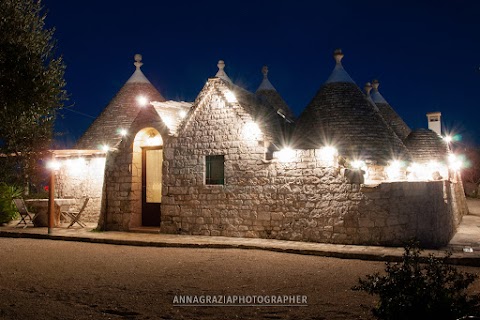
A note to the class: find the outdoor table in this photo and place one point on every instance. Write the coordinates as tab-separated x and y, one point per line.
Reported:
40	206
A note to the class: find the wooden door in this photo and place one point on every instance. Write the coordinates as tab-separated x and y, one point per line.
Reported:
152	160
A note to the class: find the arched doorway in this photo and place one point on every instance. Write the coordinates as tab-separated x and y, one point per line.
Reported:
147	173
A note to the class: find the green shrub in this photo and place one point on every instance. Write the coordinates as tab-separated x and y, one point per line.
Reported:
421	289
8	211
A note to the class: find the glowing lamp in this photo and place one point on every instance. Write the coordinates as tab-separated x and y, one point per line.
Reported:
142	100
230	96
123	132
251	131
286	154
447	139
454	162
105	148
54	165
434	169
394	170
76	166
327	155
457	165
358	164
416	172
452	158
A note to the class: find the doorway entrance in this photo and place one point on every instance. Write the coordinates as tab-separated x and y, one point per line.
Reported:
152	159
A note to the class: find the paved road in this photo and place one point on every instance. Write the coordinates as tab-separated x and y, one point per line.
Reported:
43	279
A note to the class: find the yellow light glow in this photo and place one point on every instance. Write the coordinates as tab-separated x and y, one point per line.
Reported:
452	158
251	131
154	141
105	148
358	164
394	170
328	155
182	114
76	166
142	100
230	96
99	163
447	139
123	132
54	165
455	163
435	168
456	166
286	155
432	170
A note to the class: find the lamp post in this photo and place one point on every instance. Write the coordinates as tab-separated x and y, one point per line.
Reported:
53	165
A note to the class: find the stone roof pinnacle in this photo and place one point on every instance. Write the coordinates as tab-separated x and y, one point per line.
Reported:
138	61
266	84
338	56
221	73
376	96
138	76
339	74
265	72
367	88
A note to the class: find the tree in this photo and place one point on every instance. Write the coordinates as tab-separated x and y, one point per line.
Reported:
31	87
421	288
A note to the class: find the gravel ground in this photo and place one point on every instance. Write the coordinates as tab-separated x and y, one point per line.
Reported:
43	279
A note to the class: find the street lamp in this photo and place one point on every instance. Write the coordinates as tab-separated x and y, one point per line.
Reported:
53	165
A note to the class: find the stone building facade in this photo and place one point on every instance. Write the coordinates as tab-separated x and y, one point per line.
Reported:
234	163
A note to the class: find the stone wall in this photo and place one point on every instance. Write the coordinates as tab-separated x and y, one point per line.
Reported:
116	201
298	200
79	178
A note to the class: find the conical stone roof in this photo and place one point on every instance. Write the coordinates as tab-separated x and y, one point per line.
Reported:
342	116
275	126
388	113
426	145
268	95
120	112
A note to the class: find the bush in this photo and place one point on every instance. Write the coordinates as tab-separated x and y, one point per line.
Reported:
416	289
8	211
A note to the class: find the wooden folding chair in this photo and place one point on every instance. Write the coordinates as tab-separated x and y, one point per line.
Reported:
26	217
76	215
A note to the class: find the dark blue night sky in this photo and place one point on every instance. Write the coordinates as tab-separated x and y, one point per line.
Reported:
426	54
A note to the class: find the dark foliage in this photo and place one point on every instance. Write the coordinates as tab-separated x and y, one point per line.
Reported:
471	173
31	87
416	289
8	211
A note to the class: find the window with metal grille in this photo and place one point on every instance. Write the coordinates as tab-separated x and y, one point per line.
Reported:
214	169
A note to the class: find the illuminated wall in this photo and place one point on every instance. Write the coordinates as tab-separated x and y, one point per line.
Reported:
79	177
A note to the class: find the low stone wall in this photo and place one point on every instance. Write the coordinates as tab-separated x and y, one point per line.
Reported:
307	201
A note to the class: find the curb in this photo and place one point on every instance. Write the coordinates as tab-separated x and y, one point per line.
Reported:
473	261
